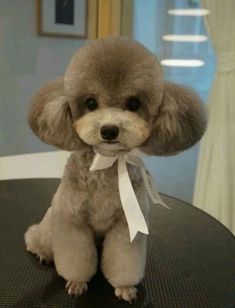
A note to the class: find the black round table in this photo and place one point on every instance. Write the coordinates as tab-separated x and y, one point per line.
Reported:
191	257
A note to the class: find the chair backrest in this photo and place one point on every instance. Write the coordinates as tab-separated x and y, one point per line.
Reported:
35	165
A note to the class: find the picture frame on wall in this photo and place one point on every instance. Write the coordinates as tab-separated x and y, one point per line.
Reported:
63	18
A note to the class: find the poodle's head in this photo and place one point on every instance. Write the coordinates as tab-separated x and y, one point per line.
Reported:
113	96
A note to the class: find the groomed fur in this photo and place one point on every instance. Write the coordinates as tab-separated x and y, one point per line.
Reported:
87	205
179	124
50	118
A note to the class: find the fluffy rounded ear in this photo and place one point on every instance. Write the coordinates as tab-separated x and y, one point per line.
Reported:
180	122
49	117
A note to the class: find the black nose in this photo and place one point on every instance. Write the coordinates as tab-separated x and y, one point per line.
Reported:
109	132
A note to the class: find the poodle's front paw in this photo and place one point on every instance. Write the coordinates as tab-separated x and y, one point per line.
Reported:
77	288
128	293
44	259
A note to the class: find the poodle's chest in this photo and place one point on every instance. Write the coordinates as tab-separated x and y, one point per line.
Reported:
103	206
103	184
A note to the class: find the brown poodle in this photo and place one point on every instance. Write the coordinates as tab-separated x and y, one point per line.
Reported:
112	98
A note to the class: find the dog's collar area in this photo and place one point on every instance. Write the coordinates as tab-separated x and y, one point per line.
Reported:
134	216
115	153
108	152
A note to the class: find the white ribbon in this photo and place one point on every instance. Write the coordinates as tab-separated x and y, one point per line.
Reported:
134	216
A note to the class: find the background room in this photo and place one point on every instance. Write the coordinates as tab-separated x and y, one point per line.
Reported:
95	233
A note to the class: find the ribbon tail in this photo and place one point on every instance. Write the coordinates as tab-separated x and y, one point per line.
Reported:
134	216
133	231
149	182
158	200
151	189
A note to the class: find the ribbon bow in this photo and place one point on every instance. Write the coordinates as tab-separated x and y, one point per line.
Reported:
134	216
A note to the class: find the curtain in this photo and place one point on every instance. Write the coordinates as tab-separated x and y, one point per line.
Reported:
215	180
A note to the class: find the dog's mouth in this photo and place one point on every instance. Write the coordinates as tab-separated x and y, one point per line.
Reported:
109	148
112	145
111	142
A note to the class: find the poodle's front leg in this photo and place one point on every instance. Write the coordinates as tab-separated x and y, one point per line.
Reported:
75	254
123	262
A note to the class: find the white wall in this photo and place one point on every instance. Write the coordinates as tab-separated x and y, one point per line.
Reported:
27	61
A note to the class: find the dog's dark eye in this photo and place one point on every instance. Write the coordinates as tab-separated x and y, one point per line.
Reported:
91	104
133	104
